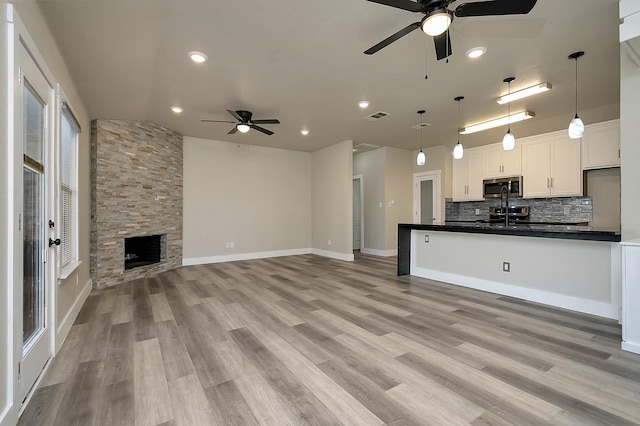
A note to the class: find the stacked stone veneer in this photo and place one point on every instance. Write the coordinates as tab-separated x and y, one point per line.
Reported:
136	190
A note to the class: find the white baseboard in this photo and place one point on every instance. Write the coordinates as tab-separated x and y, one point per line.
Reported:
67	322
631	347
243	256
375	252
348	257
593	307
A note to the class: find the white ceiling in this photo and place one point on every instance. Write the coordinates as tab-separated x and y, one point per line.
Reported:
301	61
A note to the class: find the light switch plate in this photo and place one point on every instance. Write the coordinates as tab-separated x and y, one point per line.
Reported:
426	238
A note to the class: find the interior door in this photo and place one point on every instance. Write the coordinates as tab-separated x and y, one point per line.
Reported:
33	100
426	197
426	202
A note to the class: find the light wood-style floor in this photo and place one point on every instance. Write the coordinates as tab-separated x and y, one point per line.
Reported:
309	340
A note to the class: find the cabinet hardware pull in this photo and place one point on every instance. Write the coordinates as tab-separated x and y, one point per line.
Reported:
547	182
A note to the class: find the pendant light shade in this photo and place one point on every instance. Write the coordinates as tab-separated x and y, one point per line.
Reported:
576	126
509	141
421	159
458	150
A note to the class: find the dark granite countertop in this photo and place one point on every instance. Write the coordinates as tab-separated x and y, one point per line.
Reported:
564	231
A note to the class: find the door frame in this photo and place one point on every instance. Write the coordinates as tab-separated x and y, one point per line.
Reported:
19	38
434	176
360	179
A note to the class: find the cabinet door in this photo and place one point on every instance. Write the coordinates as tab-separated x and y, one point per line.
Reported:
566	173
536	168
459	178
512	161
601	147
492	162
475	176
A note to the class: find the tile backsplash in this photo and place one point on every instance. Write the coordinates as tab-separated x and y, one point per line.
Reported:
578	209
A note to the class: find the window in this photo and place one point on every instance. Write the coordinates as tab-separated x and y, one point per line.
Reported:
69	130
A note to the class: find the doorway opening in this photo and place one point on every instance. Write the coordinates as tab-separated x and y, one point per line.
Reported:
427	202
358	213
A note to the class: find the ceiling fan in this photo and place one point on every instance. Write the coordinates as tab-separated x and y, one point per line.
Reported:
244	122
438	18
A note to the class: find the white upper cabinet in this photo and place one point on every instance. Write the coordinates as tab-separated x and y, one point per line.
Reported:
500	163
551	166
467	176
601	145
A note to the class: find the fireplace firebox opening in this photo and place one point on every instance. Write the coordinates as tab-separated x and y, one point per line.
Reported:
142	251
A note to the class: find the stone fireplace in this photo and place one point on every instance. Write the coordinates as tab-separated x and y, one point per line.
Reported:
136	200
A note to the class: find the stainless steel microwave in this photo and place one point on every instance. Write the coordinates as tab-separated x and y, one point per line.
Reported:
492	188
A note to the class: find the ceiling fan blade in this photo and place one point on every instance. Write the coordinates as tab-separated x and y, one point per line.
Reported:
235	115
387	41
206	120
495	7
261	129
400	4
232	131
443	45
266	121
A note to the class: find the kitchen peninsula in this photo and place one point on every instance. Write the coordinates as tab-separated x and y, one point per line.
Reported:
573	267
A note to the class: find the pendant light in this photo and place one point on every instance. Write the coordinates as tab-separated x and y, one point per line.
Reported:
420	160
508	141
458	150
576	126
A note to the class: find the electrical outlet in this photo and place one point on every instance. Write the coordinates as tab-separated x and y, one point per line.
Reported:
566	209
426	238
506	266
477	212
232	244
329	242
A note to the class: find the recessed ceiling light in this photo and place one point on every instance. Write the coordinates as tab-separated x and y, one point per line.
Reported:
476	52
198	57
364	104
176	109
304	132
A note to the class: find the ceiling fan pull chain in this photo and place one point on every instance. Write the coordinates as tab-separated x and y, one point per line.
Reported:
426	59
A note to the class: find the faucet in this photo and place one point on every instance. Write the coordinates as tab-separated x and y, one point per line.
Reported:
505	189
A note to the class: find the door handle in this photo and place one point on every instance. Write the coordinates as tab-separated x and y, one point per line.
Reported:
55	242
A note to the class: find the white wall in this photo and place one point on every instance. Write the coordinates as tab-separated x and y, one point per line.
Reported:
332	200
258	198
398	189
6	369
629	147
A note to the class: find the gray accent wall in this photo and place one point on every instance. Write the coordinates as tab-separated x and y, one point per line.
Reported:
136	184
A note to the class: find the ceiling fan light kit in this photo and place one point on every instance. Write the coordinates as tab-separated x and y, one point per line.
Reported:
436	22
421	158
576	126
508	141
524	93
243	128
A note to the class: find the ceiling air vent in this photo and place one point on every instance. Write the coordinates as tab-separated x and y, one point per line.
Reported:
376	116
364	147
421	125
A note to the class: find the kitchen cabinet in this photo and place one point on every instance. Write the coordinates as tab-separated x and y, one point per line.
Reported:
467	176
500	163
601	145
551	167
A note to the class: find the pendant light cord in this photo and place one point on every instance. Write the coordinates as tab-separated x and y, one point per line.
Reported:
509	110
458	129
576	86
421	127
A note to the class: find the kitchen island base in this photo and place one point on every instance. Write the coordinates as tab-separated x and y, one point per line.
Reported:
580	275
